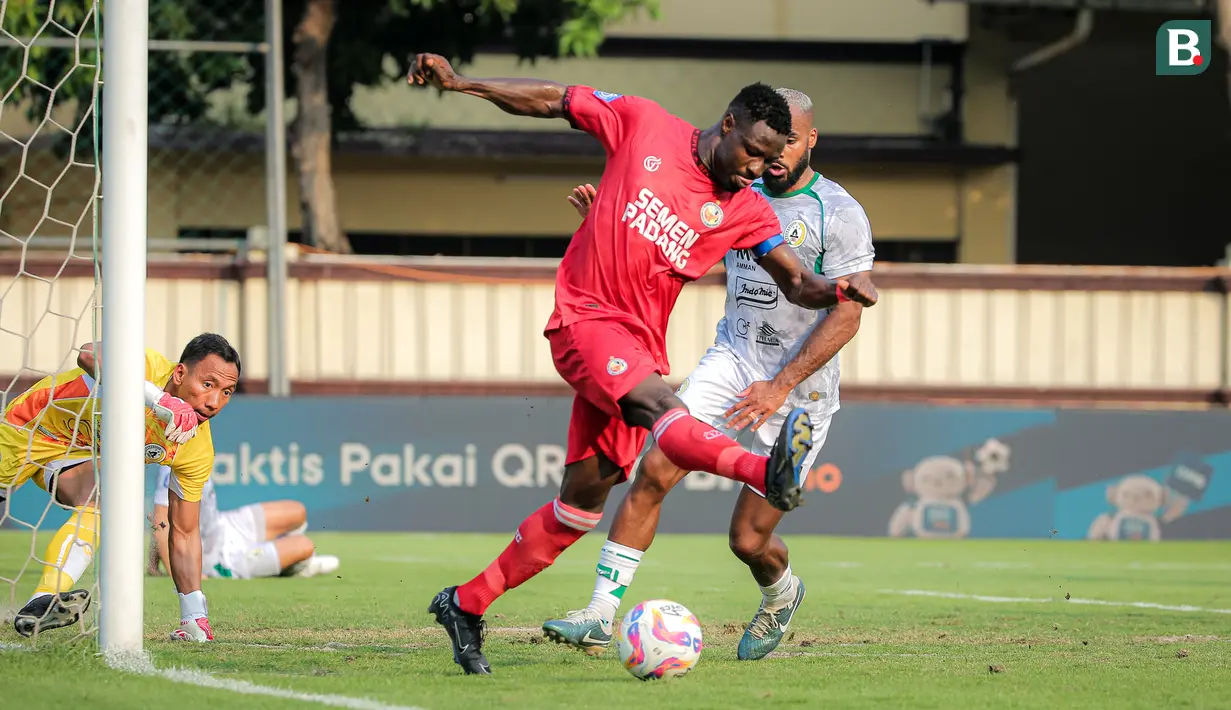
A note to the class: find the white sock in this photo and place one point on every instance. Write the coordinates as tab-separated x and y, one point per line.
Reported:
616	566
38	595
192	606
780	590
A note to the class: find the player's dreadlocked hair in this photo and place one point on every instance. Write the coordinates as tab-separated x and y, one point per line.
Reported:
759	102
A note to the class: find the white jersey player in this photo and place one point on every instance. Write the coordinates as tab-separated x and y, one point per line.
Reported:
258	540
768	358
761	334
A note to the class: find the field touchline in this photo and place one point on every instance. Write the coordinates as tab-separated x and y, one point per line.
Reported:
1044	600
140	664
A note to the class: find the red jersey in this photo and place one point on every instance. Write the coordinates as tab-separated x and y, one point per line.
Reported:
657	222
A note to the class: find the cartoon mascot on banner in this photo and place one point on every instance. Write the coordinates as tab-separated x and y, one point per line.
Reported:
943	487
1142	505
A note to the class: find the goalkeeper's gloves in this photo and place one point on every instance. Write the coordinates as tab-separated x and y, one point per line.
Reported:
181	418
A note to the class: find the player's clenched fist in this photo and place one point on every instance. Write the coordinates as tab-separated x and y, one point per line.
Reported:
858	288
181	418
432	70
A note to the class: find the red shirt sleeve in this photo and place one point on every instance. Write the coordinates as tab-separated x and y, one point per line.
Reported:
765	231
611	118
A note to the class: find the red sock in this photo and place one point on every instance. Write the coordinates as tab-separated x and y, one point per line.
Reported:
539	541
694	445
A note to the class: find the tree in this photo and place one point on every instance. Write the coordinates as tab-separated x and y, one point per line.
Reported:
183	80
339	46
334	47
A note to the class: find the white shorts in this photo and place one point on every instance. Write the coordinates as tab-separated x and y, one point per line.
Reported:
242	550
715	384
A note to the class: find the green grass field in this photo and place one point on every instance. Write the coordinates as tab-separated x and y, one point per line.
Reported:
858	642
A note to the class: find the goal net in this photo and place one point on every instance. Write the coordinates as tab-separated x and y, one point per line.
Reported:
49	296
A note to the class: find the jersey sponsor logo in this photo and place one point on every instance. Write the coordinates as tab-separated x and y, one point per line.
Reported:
659	224
795	233
154	453
606	96
741	328
652	163
755	294
768	335
744	260
616	366
711	214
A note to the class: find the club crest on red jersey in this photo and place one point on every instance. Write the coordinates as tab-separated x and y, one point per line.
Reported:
652	163
711	214
616	366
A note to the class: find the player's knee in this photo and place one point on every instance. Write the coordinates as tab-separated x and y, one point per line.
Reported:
648	402
747	543
649	488
298	512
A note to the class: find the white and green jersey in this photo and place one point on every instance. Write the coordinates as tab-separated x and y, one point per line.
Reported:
830	233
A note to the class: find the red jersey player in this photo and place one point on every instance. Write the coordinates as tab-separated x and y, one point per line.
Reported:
671	203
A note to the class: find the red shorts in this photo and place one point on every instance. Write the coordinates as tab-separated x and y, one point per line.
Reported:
602	361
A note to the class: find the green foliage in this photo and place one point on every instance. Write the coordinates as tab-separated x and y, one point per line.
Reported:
366	35
180	82
38	72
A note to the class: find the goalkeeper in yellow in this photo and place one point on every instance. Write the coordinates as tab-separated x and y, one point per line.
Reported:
49	435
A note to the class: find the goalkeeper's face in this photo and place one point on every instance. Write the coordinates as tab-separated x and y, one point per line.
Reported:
206	386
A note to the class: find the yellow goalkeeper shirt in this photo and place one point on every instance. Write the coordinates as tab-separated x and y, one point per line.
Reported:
55	421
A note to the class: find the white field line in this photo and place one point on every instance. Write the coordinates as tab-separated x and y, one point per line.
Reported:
1045	600
140	664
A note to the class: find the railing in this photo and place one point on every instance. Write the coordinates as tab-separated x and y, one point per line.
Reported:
389	325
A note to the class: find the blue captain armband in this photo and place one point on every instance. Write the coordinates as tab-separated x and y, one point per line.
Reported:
767	246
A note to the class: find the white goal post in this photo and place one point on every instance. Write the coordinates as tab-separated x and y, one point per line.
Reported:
125	165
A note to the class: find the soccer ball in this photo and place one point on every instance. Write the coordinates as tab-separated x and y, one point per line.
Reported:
659	639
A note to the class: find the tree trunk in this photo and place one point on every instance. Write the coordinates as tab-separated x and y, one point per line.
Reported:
313	129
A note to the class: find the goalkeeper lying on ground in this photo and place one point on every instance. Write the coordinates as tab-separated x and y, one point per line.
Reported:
258	540
49	434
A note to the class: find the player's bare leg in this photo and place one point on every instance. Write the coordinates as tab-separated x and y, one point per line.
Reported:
694	445
539	541
284	517
683	443
632	532
753	541
68	556
285	523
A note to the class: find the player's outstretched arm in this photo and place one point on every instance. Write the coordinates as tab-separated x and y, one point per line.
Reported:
159	532
184	554
536	98
760	400
809	290
821	345
184	543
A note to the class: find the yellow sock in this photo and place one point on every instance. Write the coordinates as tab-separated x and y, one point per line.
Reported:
70	552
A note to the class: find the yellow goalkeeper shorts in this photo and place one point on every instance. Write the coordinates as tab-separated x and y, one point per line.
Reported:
22	460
